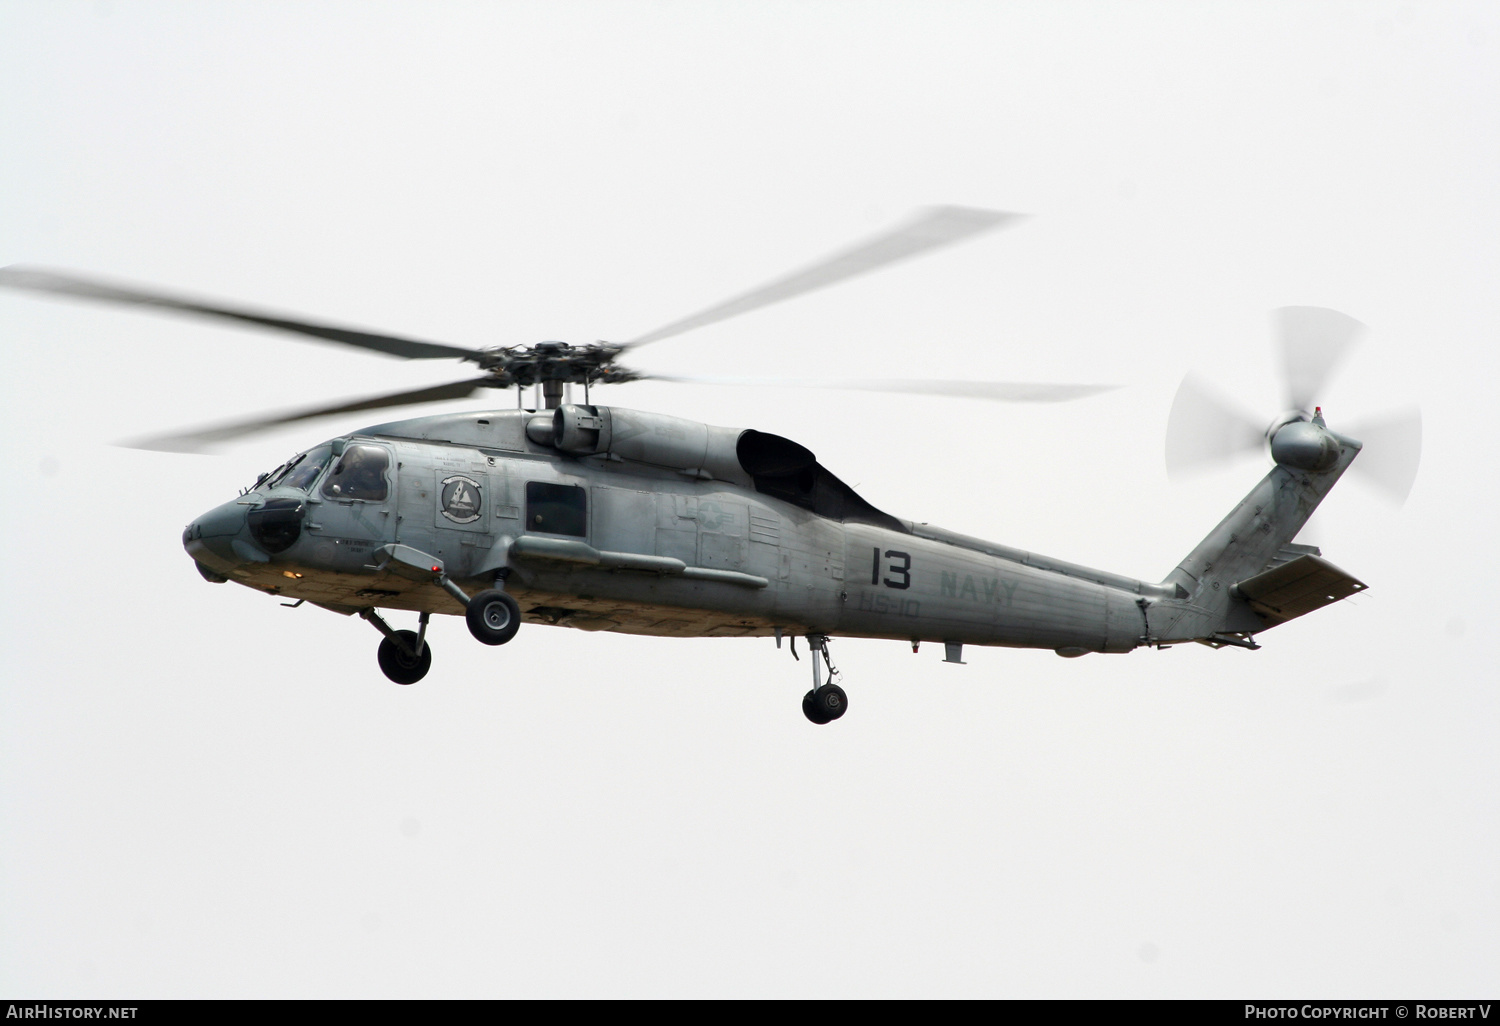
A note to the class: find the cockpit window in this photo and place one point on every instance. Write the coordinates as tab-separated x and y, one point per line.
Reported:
299	472
359	474
304	470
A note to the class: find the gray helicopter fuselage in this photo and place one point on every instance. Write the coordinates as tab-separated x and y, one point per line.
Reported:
611	519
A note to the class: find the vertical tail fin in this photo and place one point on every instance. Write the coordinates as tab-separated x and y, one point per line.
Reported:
1211	608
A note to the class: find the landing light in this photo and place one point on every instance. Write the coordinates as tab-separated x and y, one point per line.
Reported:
288	573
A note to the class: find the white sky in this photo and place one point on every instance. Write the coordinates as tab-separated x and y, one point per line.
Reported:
205	794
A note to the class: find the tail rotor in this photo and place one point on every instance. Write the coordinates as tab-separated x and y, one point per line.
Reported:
1205	429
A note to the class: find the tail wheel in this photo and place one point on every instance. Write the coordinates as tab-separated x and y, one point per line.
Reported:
811	710
825	704
830	701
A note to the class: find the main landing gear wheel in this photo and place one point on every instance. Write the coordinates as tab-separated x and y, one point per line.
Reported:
825	704
494	617
396	659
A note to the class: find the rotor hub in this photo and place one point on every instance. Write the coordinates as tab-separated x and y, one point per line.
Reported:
559	362
1304	445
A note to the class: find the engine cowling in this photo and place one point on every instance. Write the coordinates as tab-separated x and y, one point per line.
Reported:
651	438
579	429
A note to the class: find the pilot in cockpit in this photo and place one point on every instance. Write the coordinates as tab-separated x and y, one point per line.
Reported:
360	474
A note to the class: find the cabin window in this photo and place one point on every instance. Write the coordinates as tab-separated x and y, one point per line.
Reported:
360	474
556	509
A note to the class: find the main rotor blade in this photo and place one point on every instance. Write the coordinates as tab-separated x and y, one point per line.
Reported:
1205	428
999	391
935	227
36	279
200	439
1392	452
1314	341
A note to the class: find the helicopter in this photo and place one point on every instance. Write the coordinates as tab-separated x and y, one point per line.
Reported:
603	518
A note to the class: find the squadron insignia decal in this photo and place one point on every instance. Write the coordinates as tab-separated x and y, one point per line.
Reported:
461	499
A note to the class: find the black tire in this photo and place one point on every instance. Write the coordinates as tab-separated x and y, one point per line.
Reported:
397	662
830	701
494	617
811	711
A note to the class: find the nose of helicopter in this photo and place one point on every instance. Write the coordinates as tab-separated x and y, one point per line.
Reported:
210	539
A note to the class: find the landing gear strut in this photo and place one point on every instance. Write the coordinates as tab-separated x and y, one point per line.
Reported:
825	702
493	616
404	656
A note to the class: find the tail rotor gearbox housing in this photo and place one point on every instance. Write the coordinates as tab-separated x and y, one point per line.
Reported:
1304	445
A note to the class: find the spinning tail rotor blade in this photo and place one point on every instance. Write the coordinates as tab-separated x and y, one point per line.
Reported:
1314	341
1392	452
939	226
1205	428
201	439
35	279
998	391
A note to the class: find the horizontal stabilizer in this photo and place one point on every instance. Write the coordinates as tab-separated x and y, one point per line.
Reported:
1289	552
1293	588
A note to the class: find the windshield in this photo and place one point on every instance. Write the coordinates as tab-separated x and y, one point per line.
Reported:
304	470
298	472
260	482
